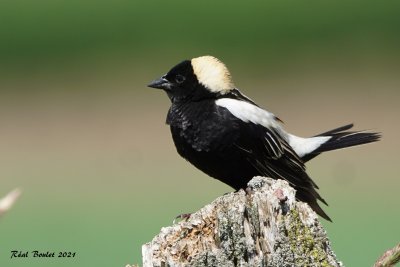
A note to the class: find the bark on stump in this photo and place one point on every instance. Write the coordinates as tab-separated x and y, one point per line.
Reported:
264	226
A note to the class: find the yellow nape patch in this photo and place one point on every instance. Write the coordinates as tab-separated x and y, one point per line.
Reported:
213	74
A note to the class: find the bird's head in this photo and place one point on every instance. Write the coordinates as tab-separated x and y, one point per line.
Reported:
196	79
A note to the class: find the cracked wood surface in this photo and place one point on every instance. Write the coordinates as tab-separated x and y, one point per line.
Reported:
262	226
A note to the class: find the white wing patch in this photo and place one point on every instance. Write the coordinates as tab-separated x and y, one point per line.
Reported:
304	146
248	112
213	74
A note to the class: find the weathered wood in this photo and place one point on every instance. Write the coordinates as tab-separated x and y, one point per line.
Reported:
390	258
264	226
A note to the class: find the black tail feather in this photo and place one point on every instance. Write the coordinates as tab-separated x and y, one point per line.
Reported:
337	130
342	139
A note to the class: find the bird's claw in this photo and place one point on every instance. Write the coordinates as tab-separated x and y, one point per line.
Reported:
183	216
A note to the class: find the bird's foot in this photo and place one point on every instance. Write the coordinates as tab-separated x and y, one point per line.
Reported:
249	190
182	217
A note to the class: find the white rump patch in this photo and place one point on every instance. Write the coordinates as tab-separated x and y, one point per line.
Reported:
304	146
248	112
213	74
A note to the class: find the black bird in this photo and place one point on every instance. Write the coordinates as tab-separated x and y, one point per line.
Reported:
229	137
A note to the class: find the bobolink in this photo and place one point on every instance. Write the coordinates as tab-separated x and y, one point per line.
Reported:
229	137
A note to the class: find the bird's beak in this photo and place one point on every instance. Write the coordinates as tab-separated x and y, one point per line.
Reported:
161	83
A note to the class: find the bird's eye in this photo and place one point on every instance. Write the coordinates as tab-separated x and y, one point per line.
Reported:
179	78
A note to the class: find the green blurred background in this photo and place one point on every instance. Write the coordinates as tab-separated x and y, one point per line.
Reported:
87	142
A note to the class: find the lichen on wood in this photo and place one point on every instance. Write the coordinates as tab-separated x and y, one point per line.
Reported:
262	226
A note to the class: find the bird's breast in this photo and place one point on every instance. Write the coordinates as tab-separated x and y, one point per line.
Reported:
199	127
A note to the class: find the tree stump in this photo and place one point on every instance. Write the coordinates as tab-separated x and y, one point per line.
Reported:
262	226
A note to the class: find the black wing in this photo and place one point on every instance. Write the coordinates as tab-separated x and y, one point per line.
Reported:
270	154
